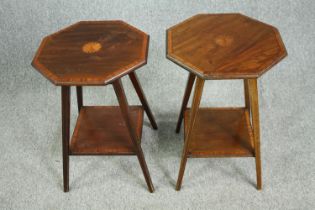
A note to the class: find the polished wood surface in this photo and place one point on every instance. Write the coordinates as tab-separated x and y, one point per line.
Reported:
136	84
188	134
65	112
101	130
79	97
98	53
246	95
190	83
254	107
91	53
224	46
221	132
124	107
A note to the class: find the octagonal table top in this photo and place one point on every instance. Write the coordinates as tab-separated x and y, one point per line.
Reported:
91	53
224	46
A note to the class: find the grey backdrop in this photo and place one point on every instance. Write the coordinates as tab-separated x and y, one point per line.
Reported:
30	126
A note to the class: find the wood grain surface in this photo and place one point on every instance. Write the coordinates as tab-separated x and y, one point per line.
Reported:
221	132
224	46
91	53
101	130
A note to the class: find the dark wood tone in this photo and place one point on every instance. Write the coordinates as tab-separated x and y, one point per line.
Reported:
225	46
91	53
101	130
190	83
253	94
220	132
188	135
79	97
98	53
223	132
65	106
136	84
123	103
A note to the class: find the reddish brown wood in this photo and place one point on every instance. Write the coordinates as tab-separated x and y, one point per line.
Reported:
246	95
220	132
190	83
65	106
134	79
97	53
188	135
124	107
79	97
91	53
225	46
101	130
253	94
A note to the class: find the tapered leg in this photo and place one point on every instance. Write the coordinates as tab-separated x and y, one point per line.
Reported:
190	83
194	111
135	82
246	95
253	94
79	97
123	103
65	104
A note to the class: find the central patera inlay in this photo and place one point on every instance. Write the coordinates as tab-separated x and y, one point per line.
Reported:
91	47
224	40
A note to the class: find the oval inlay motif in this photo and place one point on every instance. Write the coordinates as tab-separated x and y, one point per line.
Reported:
224	40
91	47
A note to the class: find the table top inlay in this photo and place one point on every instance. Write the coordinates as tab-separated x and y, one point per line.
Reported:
225	46
91	53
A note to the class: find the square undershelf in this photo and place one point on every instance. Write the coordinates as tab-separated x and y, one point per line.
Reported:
101	130
220	132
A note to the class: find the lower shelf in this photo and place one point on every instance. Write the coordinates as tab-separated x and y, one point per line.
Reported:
220	132
101	130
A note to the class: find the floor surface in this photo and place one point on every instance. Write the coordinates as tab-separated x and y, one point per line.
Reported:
30	116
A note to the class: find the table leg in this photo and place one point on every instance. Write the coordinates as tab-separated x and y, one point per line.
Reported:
65	104
246	95
190	83
135	82
79	97
194	111
123	103
253	94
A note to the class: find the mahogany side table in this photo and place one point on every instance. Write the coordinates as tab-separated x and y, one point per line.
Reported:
98	53
222	46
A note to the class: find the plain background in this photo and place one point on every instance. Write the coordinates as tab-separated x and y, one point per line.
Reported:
30	116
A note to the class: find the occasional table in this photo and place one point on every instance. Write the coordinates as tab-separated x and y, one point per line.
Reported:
216	47
98	53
